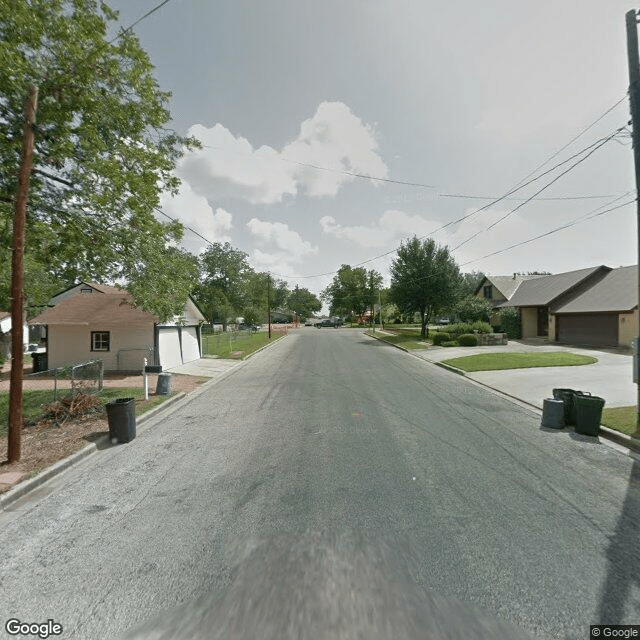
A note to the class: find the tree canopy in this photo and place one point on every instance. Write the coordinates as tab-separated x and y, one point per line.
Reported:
424	279
304	302
103	155
352	290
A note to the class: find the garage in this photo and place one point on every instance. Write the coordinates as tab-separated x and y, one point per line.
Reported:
169	348
588	329
190	346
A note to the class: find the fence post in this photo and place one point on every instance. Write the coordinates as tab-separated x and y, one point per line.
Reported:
55	384
101	380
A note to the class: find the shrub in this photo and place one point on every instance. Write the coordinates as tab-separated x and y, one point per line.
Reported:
468	340
449	343
439	338
481	327
510	322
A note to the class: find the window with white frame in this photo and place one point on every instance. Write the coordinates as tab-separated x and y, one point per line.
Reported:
100	341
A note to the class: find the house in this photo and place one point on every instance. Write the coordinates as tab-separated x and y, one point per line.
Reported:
5	334
95	322
499	289
538	299
604	315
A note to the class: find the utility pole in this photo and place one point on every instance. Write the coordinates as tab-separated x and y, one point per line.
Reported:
269	303
631	18
17	279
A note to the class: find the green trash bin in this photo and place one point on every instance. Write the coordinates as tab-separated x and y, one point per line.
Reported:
588	414
568	398
121	415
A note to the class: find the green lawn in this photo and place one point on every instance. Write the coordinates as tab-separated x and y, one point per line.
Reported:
32	402
224	345
498	361
408	339
621	419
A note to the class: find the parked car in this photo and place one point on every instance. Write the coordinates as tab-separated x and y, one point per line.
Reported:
248	327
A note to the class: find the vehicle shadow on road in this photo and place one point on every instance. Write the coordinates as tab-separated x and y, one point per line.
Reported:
623	560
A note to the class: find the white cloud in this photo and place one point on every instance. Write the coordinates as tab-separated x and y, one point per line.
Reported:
392	225
194	211
334	139
278	246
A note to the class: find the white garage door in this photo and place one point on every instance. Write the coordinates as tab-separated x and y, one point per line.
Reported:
190	349
169	348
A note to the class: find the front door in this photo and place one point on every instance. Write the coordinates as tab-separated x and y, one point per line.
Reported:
543	321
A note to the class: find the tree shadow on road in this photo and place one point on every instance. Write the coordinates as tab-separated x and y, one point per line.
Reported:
623	560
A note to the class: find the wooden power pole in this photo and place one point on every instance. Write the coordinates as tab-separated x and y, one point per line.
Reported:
269	303
17	280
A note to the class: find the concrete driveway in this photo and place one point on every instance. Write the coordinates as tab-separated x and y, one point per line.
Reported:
206	367
610	377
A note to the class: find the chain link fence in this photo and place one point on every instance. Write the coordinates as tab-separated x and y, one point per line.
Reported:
225	343
86	377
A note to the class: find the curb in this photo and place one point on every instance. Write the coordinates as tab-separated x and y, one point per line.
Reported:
24	487
632	444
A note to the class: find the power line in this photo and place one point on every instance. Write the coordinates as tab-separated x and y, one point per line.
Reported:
563	173
548	233
582	132
590	148
138	21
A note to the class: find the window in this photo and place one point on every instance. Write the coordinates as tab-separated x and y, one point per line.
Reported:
86	290
100	341
488	292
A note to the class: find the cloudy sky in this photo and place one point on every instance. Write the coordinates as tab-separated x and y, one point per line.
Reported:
446	105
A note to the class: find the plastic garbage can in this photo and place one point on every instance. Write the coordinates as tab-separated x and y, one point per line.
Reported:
552	413
568	397
164	386
121	414
588	414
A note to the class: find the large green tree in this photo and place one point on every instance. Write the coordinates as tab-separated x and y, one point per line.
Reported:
303	302
224	275
352	290
103	155
424	279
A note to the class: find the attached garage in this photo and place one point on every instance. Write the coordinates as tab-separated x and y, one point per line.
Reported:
588	329
190	346
169	350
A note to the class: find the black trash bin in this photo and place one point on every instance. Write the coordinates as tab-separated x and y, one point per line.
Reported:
39	361
568	398
588	414
121	414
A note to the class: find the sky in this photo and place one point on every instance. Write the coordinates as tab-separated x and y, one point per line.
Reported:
446	105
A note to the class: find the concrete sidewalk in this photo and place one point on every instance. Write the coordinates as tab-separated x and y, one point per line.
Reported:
609	378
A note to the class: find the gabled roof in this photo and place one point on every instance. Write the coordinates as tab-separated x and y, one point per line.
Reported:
83	309
506	285
102	288
541	292
617	291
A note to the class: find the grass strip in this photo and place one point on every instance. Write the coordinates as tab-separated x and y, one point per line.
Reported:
224	345
499	361
406	340
621	419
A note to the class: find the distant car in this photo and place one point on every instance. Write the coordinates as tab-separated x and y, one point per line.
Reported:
329	322
308	323
444	321
248	327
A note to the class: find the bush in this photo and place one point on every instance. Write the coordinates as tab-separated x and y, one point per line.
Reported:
468	340
439	338
450	343
510	322
460	328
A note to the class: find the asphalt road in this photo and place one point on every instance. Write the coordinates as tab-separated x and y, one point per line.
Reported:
332	487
